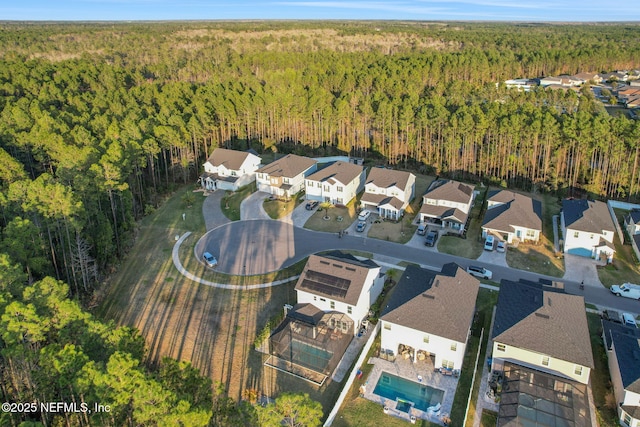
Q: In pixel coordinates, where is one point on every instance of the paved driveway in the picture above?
(213, 216)
(252, 206)
(494, 257)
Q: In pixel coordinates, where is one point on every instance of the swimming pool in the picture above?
(393, 387)
(309, 356)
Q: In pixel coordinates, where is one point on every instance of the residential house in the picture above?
(388, 192)
(615, 76)
(632, 225)
(285, 176)
(524, 85)
(447, 203)
(588, 77)
(623, 352)
(337, 183)
(629, 96)
(563, 81)
(334, 293)
(229, 169)
(587, 228)
(541, 354)
(512, 216)
(429, 315)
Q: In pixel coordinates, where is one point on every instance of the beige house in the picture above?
(513, 217)
(337, 183)
(285, 176)
(229, 169)
(447, 203)
(388, 192)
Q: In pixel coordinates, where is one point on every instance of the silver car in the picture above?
(209, 259)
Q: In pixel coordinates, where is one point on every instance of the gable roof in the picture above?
(381, 200)
(439, 304)
(586, 215)
(231, 159)
(634, 216)
(543, 320)
(338, 172)
(385, 178)
(338, 276)
(288, 166)
(516, 210)
(446, 189)
(625, 340)
(444, 213)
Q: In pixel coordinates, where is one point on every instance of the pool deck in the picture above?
(408, 370)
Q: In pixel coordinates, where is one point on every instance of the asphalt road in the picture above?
(261, 246)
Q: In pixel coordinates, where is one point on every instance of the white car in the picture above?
(501, 246)
(627, 290)
(488, 244)
(364, 215)
(629, 320)
(479, 272)
(210, 259)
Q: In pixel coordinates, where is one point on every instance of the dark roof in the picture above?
(516, 210)
(440, 304)
(544, 320)
(446, 189)
(586, 215)
(341, 172)
(381, 200)
(288, 166)
(231, 159)
(307, 313)
(338, 276)
(625, 340)
(634, 215)
(444, 213)
(385, 178)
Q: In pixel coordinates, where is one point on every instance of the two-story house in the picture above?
(388, 192)
(512, 216)
(429, 315)
(623, 352)
(338, 183)
(541, 353)
(229, 169)
(447, 203)
(285, 176)
(587, 228)
(334, 294)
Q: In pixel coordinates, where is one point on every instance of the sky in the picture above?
(422, 10)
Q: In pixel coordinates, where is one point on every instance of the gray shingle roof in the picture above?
(338, 276)
(339, 171)
(516, 210)
(586, 215)
(634, 215)
(385, 178)
(288, 166)
(543, 320)
(381, 200)
(446, 189)
(439, 304)
(444, 213)
(231, 159)
(625, 340)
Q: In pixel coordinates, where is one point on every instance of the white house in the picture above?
(447, 203)
(229, 169)
(543, 328)
(623, 352)
(512, 216)
(285, 176)
(587, 228)
(388, 192)
(429, 315)
(337, 183)
(340, 283)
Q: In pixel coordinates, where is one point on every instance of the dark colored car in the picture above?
(311, 205)
(432, 237)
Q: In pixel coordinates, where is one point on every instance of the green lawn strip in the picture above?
(489, 418)
(625, 266)
(277, 208)
(230, 204)
(600, 378)
(470, 248)
(318, 221)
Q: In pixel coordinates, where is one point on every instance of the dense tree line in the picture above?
(97, 121)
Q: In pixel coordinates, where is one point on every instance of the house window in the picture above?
(447, 364)
(576, 234)
(327, 188)
(315, 298)
(387, 326)
(340, 201)
(592, 237)
(454, 346)
(425, 339)
(577, 370)
(339, 189)
(501, 347)
(531, 233)
(349, 310)
(285, 180)
(319, 185)
(333, 304)
(322, 299)
(545, 360)
(627, 419)
(233, 173)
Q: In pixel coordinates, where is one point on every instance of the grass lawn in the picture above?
(489, 418)
(277, 209)
(230, 203)
(399, 232)
(537, 258)
(600, 379)
(625, 266)
(472, 246)
(318, 222)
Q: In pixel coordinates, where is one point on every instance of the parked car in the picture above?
(627, 290)
(611, 315)
(432, 237)
(629, 320)
(364, 215)
(422, 228)
(360, 226)
(311, 205)
(488, 244)
(210, 259)
(479, 272)
(501, 246)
